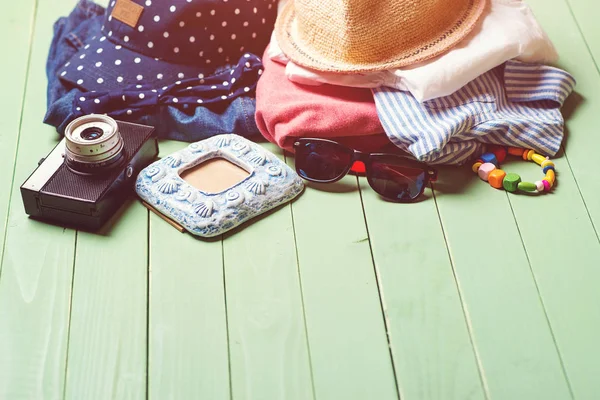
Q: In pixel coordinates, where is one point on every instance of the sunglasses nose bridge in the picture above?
(360, 156)
(358, 162)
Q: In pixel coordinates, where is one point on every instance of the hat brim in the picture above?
(306, 55)
(116, 67)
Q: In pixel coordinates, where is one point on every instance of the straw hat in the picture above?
(370, 35)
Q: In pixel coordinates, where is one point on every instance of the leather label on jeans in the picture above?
(127, 12)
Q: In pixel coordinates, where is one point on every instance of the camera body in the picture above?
(87, 176)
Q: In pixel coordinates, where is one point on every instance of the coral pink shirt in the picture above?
(286, 111)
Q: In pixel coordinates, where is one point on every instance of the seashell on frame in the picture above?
(256, 186)
(223, 140)
(168, 186)
(204, 208)
(257, 158)
(174, 160)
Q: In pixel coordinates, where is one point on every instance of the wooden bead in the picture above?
(492, 148)
(538, 158)
(501, 155)
(540, 186)
(550, 177)
(496, 177)
(489, 158)
(511, 182)
(476, 166)
(547, 167)
(546, 163)
(499, 151)
(527, 154)
(527, 187)
(515, 151)
(485, 170)
(547, 185)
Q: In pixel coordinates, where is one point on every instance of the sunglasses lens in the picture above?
(321, 161)
(396, 182)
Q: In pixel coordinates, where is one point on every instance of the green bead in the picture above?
(527, 187)
(511, 182)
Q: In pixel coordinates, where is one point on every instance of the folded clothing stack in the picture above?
(476, 73)
(439, 79)
(187, 68)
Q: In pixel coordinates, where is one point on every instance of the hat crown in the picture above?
(199, 32)
(372, 31)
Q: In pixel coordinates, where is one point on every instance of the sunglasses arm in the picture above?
(431, 173)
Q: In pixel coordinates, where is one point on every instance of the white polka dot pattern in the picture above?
(202, 89)
(174, 39)
(179, 22)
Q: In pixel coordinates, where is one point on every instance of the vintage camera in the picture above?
(84, 180)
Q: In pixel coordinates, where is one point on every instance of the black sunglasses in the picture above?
(395, 177)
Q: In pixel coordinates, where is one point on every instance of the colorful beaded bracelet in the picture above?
(487, 167)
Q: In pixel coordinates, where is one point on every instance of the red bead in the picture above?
(500, 155)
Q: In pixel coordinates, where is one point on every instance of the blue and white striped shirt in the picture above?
(515, 104)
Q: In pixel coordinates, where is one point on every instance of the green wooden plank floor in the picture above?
(469, 294)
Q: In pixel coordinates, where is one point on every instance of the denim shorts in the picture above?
(178, 123)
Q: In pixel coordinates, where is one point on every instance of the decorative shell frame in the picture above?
(270, 183)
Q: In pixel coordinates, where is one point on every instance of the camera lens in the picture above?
(93, 144)
(92, 133)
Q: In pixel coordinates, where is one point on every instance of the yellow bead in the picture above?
(545, 163)
(550, 177)
(530, 154)
(476, 166)
(538, 158)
